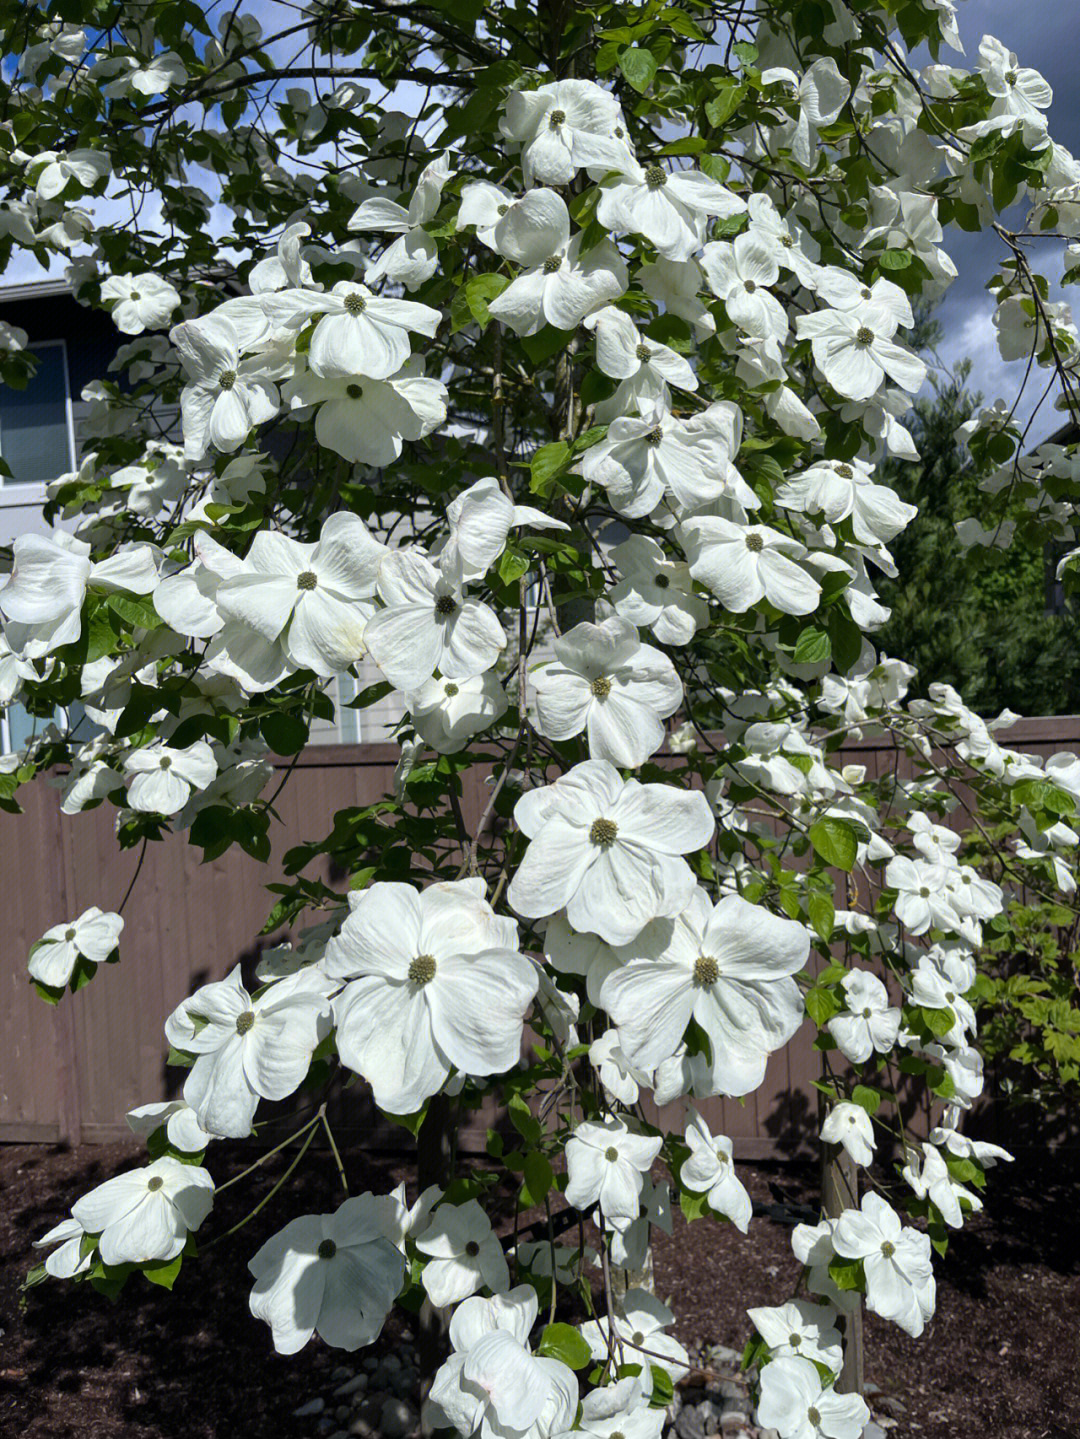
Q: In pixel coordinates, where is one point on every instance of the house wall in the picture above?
(72, 1072)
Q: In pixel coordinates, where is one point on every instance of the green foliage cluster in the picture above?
(976, 620)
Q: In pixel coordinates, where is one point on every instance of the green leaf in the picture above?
(663, 1388)
(694, 1206)
(812, 646)
(548, 462)
(868, 1099)
(822, 913)
(565, 1343)
(284, 733)
(523, 1120)
(512, 565)
(729, 96)
(847, 1273)
(639, 68)
(895, 259)
(164, 1274)
(539, 1176)
(472, 300)
(834, 842)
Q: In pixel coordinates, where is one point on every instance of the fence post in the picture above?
(840, 1191)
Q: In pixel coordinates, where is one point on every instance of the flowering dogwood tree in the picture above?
(542, 355)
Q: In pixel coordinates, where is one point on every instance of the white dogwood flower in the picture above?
(67, 1259)
(795, 1403)
(604, 681)
(436, 982)
(801, 1330)
(637, 1332)
(427, 624)
(491, 1386)
(606, 1163)
(140, 302)
(313, 598)
(671, 208)
(607, 850)
(563, 127)
(93, 936)
(144, 1216)
(227, 393)
(727, 966)
(896, 1261)
(358, 333)
(656, 591)
(464, 1254)
(710, 1170)
(336, 1275)
(446, 714)
(868, 1024)
(855, 351)
(850, 1125)
(740, 274)
(51, 174)
(619, 1408)
(179, 1120)
(821, 92)
(480, 521)
(930, 1179)
(248, 1049)
(42, 599)
(646, 458)
(564, 286)
(644, 367)
(366, 421)
(163, 778)
(743, 564)
(839, 489)
(414, 256)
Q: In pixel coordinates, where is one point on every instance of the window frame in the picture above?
(23, 487)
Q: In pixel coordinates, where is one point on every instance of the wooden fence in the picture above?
(71, 1073)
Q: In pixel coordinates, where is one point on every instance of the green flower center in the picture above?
(422, 969)
(69, 934)
(603, 831)
(553, 265)
(155, 1184)
(503, 210)
(643, 352)
(845, 472)
(637, 1338)
(813, 1415)
(307, 580)
(601, 687)
(868, 1013)
(472, 1249)
(654, 437)
(888, 1249)
(227, 379)
(794, 1340)
(355, 304)
(244, 1021)
(450, 689)
(1011, 77)
(749, 286)
(787, 242)
(611, 1154)
(556, 118)
(445, 605)
(134, 295)
(656, 177)
(706, 970)
(661, 582)
(864, 336)
(755, 544)
(165, 762)
(354, 392)
(327, 1249)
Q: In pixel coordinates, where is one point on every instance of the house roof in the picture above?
(33, 290)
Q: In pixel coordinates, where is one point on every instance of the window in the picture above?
(18, 727)
(36, 438)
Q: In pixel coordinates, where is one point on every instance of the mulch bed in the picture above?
(1000, 1361)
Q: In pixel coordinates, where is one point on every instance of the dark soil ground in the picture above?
(1000, 1361)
